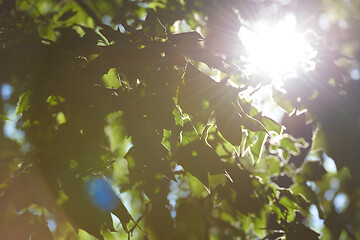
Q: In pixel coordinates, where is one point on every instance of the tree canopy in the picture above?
(142, 119)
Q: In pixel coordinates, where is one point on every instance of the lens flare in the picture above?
(276, 50)
(101, 194)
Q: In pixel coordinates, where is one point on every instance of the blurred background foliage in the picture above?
(135, 119)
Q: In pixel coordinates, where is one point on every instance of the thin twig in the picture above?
(139, 219)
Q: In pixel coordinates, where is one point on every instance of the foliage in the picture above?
(135, 125)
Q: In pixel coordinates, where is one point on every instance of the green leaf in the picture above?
(153, 25)
(271, 125)
(257, 147)
(283, 181)
(199, 159)
(60, 118)
(135, 165)
(189, 214)
(312, 170)
(161, 225)
(78, 206)
(23, 103)
(177, 117)
(302, 202)
(288, 143)
(186, 40)
(123, 214)
(187, 137)
(111, 79)
(298, 231)
(3, 117)
(204, 87)
(196, 90)
(117, 134)
(66, 15)
(319, 140)
(229, 122)
(310, 196)
(252, 124)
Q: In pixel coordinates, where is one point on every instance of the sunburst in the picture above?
(277, 50)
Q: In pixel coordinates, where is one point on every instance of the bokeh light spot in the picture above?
(101, 194)
(341, 202)
(355, 74)
(6, 91)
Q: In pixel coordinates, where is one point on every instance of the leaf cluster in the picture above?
(125, 123)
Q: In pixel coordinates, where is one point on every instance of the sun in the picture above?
(276, 49)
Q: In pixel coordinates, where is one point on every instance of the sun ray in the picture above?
(277, 50)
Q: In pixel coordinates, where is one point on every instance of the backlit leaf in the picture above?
(23, 103)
